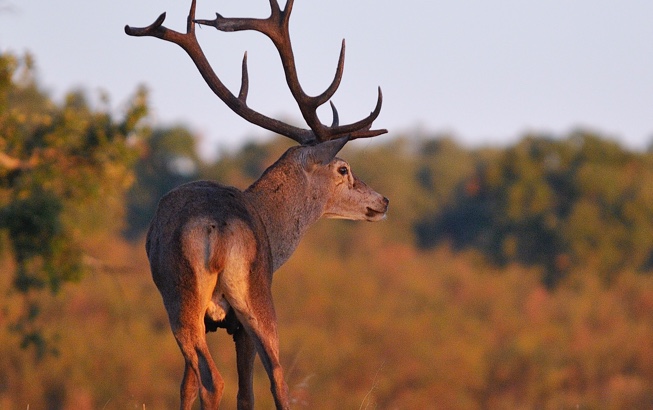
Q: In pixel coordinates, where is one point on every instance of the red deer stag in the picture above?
(213, 249)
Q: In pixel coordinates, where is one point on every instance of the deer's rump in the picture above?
(192, 228)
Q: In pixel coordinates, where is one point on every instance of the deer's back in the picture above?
(188, 202)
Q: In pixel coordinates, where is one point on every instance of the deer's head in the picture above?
(348, 197)
(344, 195)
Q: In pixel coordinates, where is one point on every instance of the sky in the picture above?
(485, 71)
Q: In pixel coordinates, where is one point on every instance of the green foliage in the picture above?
(169, 159)
(36, 231)
(558, 204)
(63, 171)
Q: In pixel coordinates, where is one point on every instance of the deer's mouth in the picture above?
(378, 212)
(374, 215)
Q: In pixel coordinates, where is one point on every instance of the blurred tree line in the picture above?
(513, 276)
(554, 203)
(63, 170)
(561, 204)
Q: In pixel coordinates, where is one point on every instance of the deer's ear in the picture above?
(325, 152)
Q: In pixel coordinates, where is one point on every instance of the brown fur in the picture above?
(213, 249)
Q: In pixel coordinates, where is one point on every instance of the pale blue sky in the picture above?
(485, 70)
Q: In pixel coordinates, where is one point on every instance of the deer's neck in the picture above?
(287, 206)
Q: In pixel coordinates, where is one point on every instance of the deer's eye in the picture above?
(343, 171)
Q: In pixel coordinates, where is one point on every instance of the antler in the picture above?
(274, 27)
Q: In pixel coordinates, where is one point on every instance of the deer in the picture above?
(213, 249)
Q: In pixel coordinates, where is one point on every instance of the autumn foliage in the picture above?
(515, 277)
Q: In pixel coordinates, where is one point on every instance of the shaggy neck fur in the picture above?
(288, 203)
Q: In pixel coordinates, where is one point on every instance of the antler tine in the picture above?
(367, 134)
(360, 129)
(286, 10)
(364, 131)
(155, 29)
(336, 117)
(328, 93)
(244, 81)
(274, 6)
(190, 21)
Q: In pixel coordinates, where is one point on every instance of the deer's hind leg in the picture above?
(186, 306)
(246, 283)
(262, 328)
(258, 319)
(245, 355)
(200, 373)
(187, 294)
